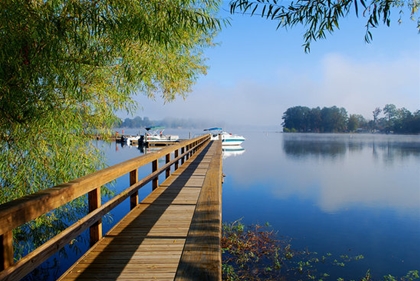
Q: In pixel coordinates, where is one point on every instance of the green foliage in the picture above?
(68, 66)
(336, 120)
(322, 17)
(355, 121)
(255, 253)
(251, 254)
(410, 276)
(325, 120)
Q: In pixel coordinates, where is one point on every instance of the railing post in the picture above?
(134, 198)
(176, 154)
(183, 157)
(6, 248)
(168, 170)
(94, 199)
(155, 181)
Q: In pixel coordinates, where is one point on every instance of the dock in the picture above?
(141, 141)
(173, 234)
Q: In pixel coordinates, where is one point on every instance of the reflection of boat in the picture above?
(155, 134)
(151, 149)
(227, 138)
(233, 150)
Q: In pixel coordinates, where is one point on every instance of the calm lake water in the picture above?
(340, 194)
(337, 194)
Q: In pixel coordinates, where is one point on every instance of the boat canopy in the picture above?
(213, 129)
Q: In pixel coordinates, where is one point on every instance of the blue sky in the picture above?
(257, 72)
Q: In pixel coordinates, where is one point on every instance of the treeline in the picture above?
(389, 119)
(138, 122)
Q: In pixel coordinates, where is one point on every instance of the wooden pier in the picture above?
(173, 234)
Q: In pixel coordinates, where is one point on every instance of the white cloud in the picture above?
(360, 86)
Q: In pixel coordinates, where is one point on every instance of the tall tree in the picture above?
(390, 111)
(322, 17)
(296, 119)
(376, 113)
(316, 119)
(67, 66)
(353, 122)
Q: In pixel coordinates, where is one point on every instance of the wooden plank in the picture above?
(148, 243)
(201, 259)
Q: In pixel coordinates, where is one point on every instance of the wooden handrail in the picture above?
(15, 213)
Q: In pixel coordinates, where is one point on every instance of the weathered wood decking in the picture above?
(174, 234)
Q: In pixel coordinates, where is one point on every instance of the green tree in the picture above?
(414, 123)
(322, 17)
(68, 66)
(296, 119)
(390, 112)
(402, 121)
(376, 113)
(353, 123)
(315, 119)
(334, 119)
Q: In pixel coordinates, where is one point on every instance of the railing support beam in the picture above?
(176, 154)
(167, 160)
(134, 198)
(94, 199)
(6, 250)
(155, 182)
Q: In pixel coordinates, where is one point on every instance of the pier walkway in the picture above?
(173, 234)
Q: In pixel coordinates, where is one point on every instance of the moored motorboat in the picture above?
(155, 134)
(129, 140)
(227, 138)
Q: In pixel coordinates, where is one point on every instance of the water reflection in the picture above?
(376, 171)
(233, 150)
(297, 146)
(341, 193)
(330, 145)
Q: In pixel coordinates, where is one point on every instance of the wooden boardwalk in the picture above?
(174, 234)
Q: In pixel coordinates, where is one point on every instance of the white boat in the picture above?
(227, 138)
(129, 140)
(155, 134)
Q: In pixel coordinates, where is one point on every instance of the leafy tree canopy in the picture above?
(68, 65)
(322, 17)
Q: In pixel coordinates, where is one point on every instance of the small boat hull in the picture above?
(234, 141)
(227, 138)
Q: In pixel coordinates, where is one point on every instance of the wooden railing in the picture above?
(15, 213)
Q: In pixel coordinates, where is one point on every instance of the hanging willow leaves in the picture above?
(68, 65)
(319, 17)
